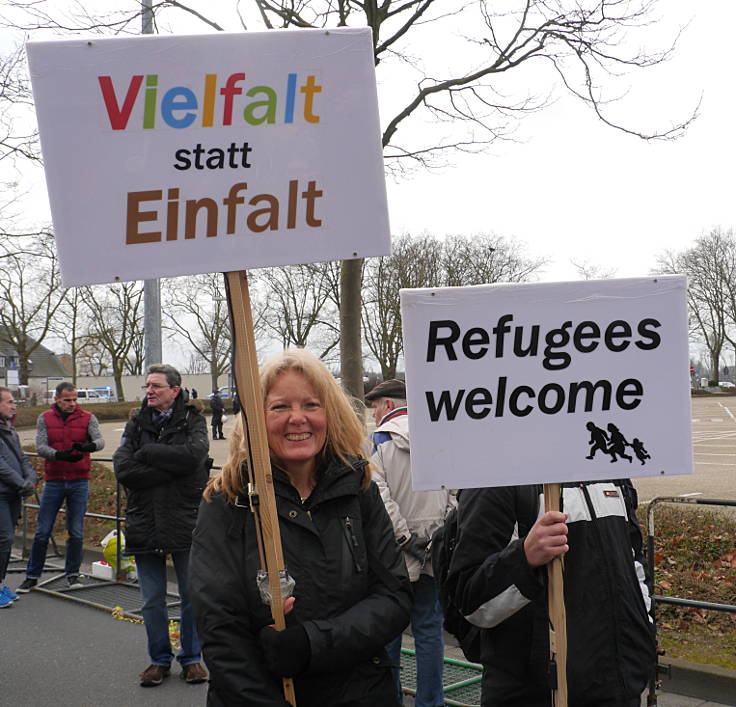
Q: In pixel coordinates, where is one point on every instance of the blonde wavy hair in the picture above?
(346, 432)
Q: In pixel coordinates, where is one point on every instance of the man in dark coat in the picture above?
(162, 463)
(498, 571)
(218, 409)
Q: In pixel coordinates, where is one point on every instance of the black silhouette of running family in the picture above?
(614, 444)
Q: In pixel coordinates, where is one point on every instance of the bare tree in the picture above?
(485, 258)
(585, 45)
(116, 324)
(70, 323)
(431, 262)
(710, 266)
(590, 271)
(30, 294)
(414, 262)
(16, 138)
(195, 365)
(196, 309)
(298, 305)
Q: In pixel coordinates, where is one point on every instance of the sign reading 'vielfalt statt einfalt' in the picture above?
(173, 155)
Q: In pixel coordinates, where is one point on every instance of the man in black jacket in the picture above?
(498, 570)
(218, 409)
(162, 462)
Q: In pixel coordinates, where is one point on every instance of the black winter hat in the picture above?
(393, 388)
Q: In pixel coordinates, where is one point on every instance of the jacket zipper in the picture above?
(607, 572)
(352, 543)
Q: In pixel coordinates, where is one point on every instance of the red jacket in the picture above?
(62, 433)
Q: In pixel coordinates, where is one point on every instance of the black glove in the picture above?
(287, 652)
(27, 489)
(85, 446)
(68, 455)
(416, 546)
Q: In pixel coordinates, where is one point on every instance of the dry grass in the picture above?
(695, 556)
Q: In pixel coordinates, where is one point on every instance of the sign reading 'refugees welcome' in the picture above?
(173, 155)
(521, 384)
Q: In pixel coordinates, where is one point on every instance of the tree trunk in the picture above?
(117, 374)
(351, 353)
(23, 369)
(715, 364)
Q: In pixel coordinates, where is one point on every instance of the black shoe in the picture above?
(154, 675)
(223, 437)
(26, 586)
(73, 581)
(193, 673)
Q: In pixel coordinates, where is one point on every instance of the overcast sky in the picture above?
(573, 189)
(578, 190)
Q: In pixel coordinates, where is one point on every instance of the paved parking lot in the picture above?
(714, 454)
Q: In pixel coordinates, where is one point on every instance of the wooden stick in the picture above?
(556, 608)
(245, 364)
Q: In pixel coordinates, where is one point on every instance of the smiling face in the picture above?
(296, 422)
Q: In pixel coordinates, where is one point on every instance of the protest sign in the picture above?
(550, 382)
(174, 155)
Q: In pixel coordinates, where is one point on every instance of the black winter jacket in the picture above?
(15, 469)
(164, 470)
(610, 632)
(332, 545)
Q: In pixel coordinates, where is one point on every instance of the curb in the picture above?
(706, 682)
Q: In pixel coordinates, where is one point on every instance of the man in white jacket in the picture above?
(415, 517)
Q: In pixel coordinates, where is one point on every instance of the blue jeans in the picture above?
(54, 494)
(151, 570)
(426, 625)
(10, 504)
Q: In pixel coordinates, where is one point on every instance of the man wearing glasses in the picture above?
(162, 462)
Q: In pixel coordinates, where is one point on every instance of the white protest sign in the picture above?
(173, 155)
(545, 383)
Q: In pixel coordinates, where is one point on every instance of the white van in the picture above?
(87, 396)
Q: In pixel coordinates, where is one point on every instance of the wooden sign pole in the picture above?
(556, 609)
(245, 365)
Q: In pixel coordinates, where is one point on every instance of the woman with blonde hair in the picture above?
(352, 593)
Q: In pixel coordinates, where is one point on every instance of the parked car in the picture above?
(85, 396)
(726, 384)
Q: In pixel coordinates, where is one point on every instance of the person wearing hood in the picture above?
(415, 516)
(162, 463)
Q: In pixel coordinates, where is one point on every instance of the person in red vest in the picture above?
(65, 436)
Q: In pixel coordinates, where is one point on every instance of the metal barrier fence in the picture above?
(117, 518)
(461, 680)
(676, 601)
